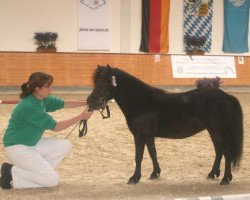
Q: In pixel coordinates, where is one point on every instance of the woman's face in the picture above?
(42, 92)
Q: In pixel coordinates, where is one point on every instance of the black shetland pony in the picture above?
(151, 112)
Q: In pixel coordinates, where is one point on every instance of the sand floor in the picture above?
(100, 164)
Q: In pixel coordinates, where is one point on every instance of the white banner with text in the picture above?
(203, 66)
(93, 25)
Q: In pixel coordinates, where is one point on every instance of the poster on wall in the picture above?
(93, 25)
(203, 66)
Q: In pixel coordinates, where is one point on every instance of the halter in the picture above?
(83, 127)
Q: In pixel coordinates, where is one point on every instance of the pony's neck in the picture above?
(130, 92)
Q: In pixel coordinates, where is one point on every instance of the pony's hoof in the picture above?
(154, 176)
(226, 179)
(133, 180)
(224, 182)
(210, 176)
(213, 175)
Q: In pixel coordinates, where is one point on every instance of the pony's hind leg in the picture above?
(215, 135)
(227, 175)
(215, 172)
(221, 148)
(150, 142)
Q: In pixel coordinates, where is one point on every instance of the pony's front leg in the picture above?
(139, 150)
(150, 142)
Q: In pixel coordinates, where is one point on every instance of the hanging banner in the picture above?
(198, 21)
(203, 66)
(155, 25)
(93, 25)
(236, 20)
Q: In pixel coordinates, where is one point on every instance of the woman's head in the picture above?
(37, 81)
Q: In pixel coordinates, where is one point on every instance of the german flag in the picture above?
(154, 31)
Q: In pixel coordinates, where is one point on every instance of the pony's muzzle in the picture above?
(96, 103)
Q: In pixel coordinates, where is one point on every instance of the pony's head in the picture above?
(103, 81)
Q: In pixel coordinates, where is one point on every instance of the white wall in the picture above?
(19, 19)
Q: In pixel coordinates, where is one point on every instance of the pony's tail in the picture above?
(236, 135)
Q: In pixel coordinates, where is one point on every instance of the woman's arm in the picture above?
(69, 122)
(74, 103)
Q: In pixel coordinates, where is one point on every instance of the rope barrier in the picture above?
(9, 101)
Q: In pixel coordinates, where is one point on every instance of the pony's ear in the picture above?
(98, 66)
(108, 66)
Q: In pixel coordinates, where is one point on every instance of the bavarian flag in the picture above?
(154, 29)
(198, 21)
(236, 19)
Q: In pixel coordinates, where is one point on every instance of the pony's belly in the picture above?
(180, 131)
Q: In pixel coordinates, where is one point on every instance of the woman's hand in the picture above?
(69, 122)
(86, 114)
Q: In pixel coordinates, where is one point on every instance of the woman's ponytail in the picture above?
(26, 90)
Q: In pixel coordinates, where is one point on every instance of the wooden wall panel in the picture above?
(75, 69)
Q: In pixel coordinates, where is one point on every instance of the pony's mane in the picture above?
(127, 78)
(124, 80)
(123, 76)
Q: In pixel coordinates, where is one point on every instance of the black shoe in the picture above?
(6, 176)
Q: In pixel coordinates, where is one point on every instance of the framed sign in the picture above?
(203, 66)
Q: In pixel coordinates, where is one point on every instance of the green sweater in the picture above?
(30, 119)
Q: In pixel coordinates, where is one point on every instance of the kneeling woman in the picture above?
(34, 157)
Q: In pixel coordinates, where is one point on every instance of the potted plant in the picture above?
(194, 44)
(45, 41)
(209, 82)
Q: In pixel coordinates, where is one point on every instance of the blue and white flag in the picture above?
(93, 25)
(236, 19)
(198, 20)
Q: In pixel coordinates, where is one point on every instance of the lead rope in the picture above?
(84, 129)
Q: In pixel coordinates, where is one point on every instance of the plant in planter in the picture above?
(45, 41)
(194, 44)
(209, 82)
